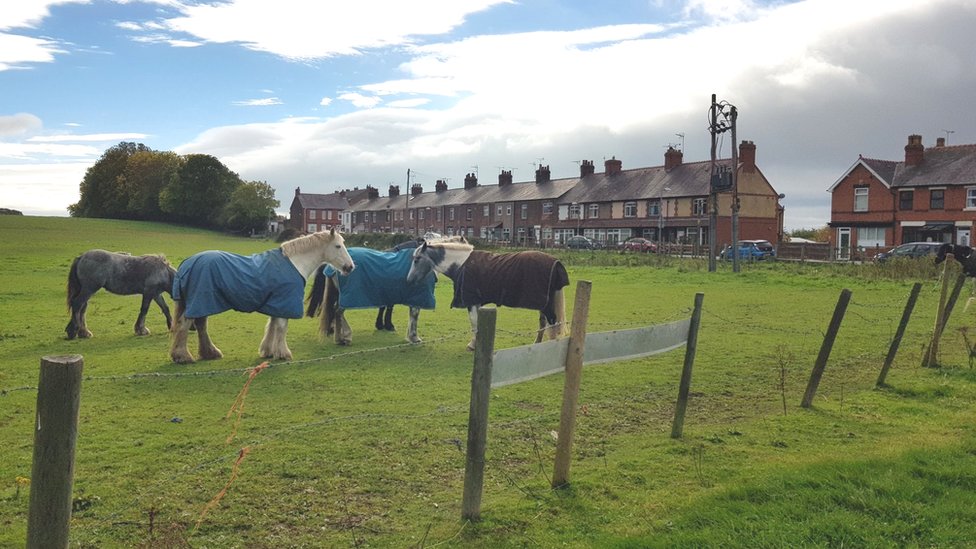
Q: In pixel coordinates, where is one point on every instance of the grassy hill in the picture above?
(364, 445)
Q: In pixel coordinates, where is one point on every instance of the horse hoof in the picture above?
(470, 346)
(211, 354)
(414, 340)
(344, 342)
(389, 328)
(142, 332)
(182, 359)
(84, 334)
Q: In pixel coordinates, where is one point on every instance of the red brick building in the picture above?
(928, 196)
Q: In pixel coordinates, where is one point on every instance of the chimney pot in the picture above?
(505, 178)
(747, 156)
(672, 159)
(612, 166)
(940, 142)
(587, 168)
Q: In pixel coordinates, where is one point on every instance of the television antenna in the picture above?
(947, 132)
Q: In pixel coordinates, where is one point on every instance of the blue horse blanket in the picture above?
(380, 280)
(214, 281)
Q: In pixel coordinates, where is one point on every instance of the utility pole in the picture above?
(733, 115)
(713, 192)
(406, 201)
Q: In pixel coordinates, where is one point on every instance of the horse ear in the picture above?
(332, 231)
(464, 240)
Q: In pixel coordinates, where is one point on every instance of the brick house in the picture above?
(610, 206)
(930, 196)
(314, 212)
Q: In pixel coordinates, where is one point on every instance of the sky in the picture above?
(327, 95)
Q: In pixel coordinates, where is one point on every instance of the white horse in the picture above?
(272, 283)
(526, 280)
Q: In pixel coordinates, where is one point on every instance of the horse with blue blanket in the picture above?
(378, 281)
(272, 283)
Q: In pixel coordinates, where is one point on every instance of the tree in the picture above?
(251, 206)
(146, 174)
(102, 191)
(200, 191)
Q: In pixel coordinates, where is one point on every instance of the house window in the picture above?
(508, 209)
(451, 214)
(546, 208)
(312, 214)
(594, 211)
(653, 208)
(468, 218)
(630, 209)
(312, 227)
(499, 211)
(860, 199)
(438, 215)
(524, 214)
(971, 197)
(421, 214)
(698, 206)
(870, 237)
(486, 210)
(937, 199)
(574, 211)
(906, 200)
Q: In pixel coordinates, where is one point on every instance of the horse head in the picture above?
(944, 249)
(422, 263)
(336, 253)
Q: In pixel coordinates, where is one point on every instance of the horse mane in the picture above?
(462, 246)
(307, 242)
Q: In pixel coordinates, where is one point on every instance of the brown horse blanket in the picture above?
(522, 279)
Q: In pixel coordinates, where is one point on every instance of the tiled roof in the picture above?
(334, 201)
(884, 168)
(951, 165)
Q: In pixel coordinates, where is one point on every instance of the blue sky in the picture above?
(326, 95)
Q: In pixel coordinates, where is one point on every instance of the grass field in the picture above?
(364, 445)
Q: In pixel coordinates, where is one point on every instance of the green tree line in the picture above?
(132, 181)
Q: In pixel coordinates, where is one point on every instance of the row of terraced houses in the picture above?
(666, 203)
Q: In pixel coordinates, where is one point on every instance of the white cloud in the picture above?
(18, 124)
(360, 100)
(408, 103)
(267, 101)
(325, 102)
(39, 189)
(324, 29)
(91, 137)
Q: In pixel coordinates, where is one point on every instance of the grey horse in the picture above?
(122, 274)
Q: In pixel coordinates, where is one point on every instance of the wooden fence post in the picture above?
(826, 347)
(52, 472)
(946, 304)
(893, 349)
(571, 385)
(683, 389)
(474, 465)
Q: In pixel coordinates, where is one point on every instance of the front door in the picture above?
(844, 243)
(962, 237)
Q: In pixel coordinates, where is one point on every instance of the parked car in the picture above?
(638, 244)
(752, 250)
(910, 249)
(580, 242)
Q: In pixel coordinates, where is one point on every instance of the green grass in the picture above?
(363, 445)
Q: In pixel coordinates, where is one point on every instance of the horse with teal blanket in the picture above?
(272, 283)
(378, 281)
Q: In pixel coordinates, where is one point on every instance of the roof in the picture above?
(691, 179)
(334, 201)
(947, 165)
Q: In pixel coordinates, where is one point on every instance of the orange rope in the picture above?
(239, 402)
(233, 476)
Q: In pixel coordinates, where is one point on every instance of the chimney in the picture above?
(440, 186)
(470, 181)
(416, 189)
(372, 192)
(747, 156)
(505, 178)
(298, 191)
(394, 191)
(914, 151)
(672, 158)
(940, 142)
(612, 166)
(587, 168)
(542, 174)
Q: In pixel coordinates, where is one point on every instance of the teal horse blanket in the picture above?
(380, 280)
(212, 282)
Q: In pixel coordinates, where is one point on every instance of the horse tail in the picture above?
(74, 282)
(327, 325)
(314, 299)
